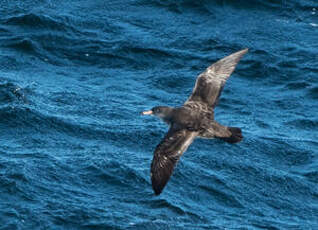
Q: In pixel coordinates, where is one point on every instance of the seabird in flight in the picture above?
(195, 118)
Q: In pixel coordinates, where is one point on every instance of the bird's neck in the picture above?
(168, 117)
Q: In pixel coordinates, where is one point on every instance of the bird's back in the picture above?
(192, 118)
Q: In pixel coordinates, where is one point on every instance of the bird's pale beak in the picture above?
(147, 112)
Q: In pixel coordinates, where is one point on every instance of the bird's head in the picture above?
(163, 112)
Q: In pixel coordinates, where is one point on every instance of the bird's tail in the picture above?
(235, 137)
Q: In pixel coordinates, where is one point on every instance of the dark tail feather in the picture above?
(235, 137)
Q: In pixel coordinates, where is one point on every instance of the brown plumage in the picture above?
(194, 119)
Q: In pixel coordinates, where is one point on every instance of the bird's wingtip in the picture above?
(237, 54)
(157, 190)
(243, 51)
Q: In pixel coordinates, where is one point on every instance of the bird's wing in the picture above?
(210, 83)
(167, 154)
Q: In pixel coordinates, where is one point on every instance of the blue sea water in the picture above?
(75, 153)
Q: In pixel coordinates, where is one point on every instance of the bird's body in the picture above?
(193, 119)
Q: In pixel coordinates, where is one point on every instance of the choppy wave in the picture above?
(75, 154)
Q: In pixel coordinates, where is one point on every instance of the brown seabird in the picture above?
(195, 118)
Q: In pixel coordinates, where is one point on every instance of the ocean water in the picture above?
(76, 154)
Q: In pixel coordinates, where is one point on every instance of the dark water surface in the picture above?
(75, 153)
